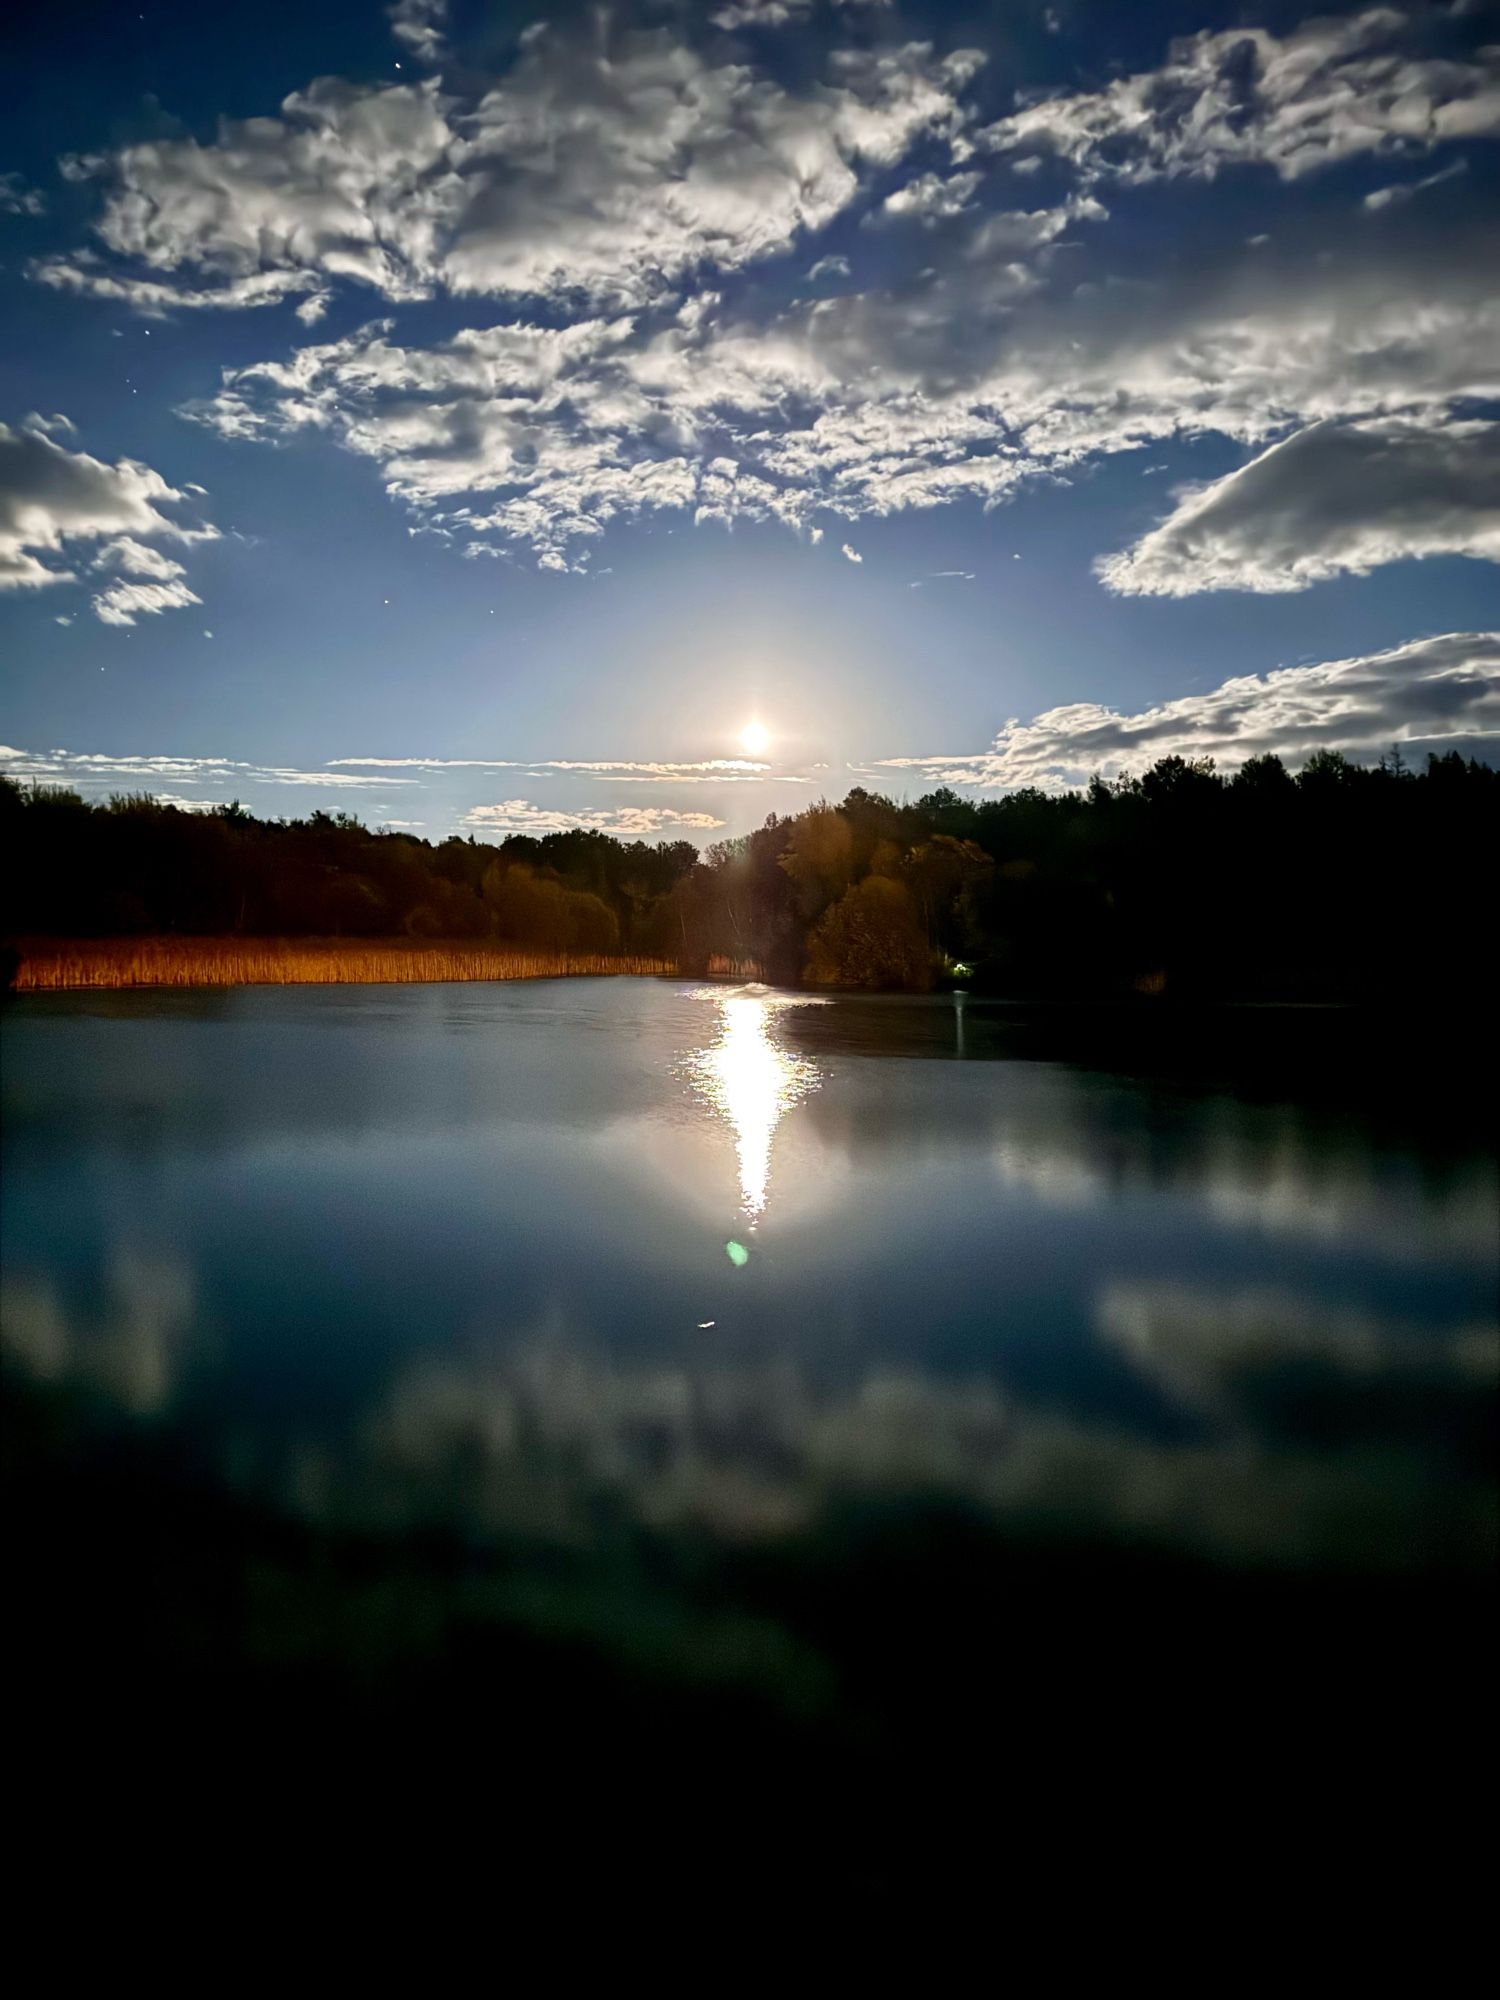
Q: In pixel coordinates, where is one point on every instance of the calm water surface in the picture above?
(529, 1257)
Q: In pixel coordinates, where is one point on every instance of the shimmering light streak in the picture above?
(752, 1082)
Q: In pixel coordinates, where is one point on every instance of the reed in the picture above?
(53, 965)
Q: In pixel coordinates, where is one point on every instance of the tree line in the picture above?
(1342, 881)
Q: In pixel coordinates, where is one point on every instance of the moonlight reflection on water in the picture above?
(1247, 1323)
(752, 1081)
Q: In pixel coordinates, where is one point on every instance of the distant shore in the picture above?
(52, 965)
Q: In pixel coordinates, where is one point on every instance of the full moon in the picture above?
(754, 737)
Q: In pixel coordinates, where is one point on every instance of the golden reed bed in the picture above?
(53, 965)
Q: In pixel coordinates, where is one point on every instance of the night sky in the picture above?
(473, 417)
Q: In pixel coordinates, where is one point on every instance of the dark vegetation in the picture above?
(1341, 882)
(136, 867)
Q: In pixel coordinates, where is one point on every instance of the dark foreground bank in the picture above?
(899, 1694)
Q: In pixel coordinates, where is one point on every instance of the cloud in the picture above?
(957, 386)
(853, 555)
(931, 198)
(136, 559)
(154, 299)
(51, 497)
(626, 822)
(418, 26)
(122, 603)
(1429, 693)
(495, 1431)
(706, 770)
(131, 1341)
(348, 182)
(609, 174)
(1242, 1172)
(1387, 197)
(760, 13)
(1334, 498)
(1242, 347)
(605, 166)
(1205, 1346)
(200, 784)
(604, 174)
(18, 199)
(89, 770)
(775, 13)
(1328, 91)
(428, 763)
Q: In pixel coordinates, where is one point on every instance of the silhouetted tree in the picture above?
(871, 937)
(1175, 881)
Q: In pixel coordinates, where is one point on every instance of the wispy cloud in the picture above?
(428, 763)
(95, 769)
(1431, 693)
(1328, 91)
(154, 298)
(1403, 191)
(418, 26)
(930, 198)
(122, 603)
(16, 198)
(184, 804)
(625, 822)
(706, 770)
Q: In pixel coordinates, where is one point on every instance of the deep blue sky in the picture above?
(1272, 241)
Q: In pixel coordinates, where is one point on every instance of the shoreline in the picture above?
(163, 963)
(63, 965)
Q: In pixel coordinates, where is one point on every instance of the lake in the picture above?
(817, 1353)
